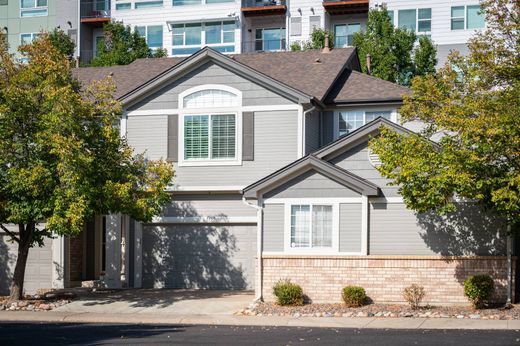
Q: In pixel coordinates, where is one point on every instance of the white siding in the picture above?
(148, 133)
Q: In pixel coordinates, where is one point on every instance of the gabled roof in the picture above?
(310, 74)
(304, 165)
(357, 137)
(358, 88)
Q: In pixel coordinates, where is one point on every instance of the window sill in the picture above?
(208, 163)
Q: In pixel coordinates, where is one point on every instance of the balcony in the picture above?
(95, 13)
(257, 8)
(258, 46)
(345, 6)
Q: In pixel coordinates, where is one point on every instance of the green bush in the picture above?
(288, 293)
(479, 289)
(354, 296)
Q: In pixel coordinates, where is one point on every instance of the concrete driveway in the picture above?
(160, 301)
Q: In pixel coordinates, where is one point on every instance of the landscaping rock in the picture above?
(474, 316)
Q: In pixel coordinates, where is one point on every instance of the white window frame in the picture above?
(334, 249)
(202, 2)
(35, 8)
(203, 37)
(394, 116)
(34, 35)
(347, 29)
(465, 17)
(146, 35)
(283, 39)
(236, 110)
(422, 33)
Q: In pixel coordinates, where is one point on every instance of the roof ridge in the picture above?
(380, 79)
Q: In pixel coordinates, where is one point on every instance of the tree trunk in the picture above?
(26, 237)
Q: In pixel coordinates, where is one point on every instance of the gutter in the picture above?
(259, 248)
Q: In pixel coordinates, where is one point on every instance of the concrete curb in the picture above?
(279, 321)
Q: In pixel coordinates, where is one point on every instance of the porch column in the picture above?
(113, 251)
(59, 255)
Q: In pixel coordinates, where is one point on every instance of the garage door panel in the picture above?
(199, 256)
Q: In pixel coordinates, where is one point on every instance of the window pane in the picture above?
(475, 17)
(349, 121)
(210, 98)
(369, 116)
(225, 49)
(141, 30)
(229, 32)
(457, 24)
(223, 136)
(457, 12)
(186, 2)
(196, 133)
(123, 6)
(425, 13)
(155, 36)
(193, 34)
(28, 3)
(217, 1)
(25, 38)
(33, 13)
(407, 19)
(300, 226)
(352, 29)
(425, 26)
(148, 4)
(213, 32)
(391, 15)
(340, 36)
(321, 226)
(184, 51)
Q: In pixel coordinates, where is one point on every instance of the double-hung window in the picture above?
(467, 17)
(153, 34)
(311, 226)
(148, 4)
(123, 5)
(33, 8)
(28, 38)
(210, 126)
(348, 121)
(344, 34)
(190, 37)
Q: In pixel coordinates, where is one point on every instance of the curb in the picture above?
(274, 321)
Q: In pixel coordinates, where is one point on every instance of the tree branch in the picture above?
(9, 233)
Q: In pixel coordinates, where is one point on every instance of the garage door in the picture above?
(199, 256)
(38, 273)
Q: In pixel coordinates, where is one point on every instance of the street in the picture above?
(106, 334)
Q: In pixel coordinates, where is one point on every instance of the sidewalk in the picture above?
(318, 322)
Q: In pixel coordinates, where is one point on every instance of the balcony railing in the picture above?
(95, 10)
(264, 46)
(262, 3)
(345, 6)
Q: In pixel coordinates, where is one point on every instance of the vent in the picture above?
(374, 158)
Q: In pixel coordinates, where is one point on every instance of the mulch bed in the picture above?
(381, 310)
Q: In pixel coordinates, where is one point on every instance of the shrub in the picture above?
(354, 296)
(479, 289)
(414, 294)
(296, 46)
(288, 293)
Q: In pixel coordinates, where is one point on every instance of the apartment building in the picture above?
(22, 20)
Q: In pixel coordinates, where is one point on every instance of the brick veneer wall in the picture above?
(383, 278)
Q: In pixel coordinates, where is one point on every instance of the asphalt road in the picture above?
(107, 334)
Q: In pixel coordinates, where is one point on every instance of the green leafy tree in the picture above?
(317, 39)
(62, 42)
(62, 160)
(120, 46)
(393, 52)
(473, 105)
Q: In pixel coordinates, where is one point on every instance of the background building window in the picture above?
(148, 4)
(270, 39)
(33, 8)
(296, 26)
(153, 35)
(457, 18)
(424, 20)
(344, 34)
(189, 38)
(475, 17)
(407, 19)
(314, 23)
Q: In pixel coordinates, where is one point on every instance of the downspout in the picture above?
(509, 267)
(313, 108)
(259, 248)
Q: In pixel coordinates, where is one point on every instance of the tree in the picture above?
(62, 159)
(394, 54)
(473, 105)
(62, 42)
(316, 41)
(120, 46)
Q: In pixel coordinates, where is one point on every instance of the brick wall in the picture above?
(383, 278)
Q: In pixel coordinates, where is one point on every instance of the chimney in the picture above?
(369, 64)
(326, 48)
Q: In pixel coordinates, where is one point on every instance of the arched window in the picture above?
(211, 98)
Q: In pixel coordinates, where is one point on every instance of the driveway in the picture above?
(160, 301)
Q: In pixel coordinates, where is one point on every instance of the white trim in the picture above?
(203, 87)
(364, 225)
(310, 255)
(203, 188)
(205, 219)
(300, 132)
(124, 124)
(334, 249)
(170, 111)
(338, 200)
(393, 115)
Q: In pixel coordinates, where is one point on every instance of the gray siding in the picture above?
(311, 185)
(221, 206)
(199, 256)
(395, 230)
(210, 73)
(273, 224)
(275, 146)
(38, 273)
(327, 127)
(356, 161)
(350, 227)
(149, 133)
(312, 132)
